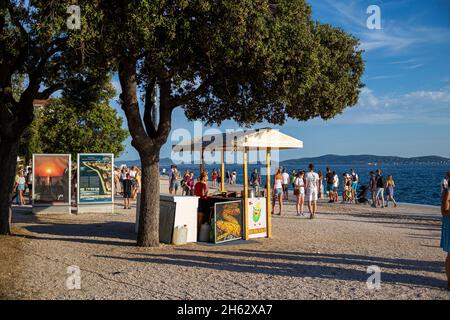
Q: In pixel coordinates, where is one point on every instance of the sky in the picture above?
(404, 108)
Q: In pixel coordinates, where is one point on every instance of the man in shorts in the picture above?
(329, 181)
(127, 185)
(312, 190)
(286, 179)
(174, 180)
(380, 187)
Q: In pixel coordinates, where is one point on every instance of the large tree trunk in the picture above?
(148, 235)
(8, 162)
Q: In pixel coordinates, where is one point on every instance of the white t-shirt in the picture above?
(20, 180)
(299, 183)
(336, 181)
(285, 178)
(312, 178)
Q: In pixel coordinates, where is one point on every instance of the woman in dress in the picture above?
(299, 191)
(445, 235)
(390, 185)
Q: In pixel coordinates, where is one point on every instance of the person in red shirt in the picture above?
(201, 187)
(201, 190)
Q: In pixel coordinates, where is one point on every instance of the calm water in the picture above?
(418, 184)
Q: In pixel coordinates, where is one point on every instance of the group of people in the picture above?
(307, 187)
(127, 182)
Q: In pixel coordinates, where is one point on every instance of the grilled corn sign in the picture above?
(257, 218)
(228, 221)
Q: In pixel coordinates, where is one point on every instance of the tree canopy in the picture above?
(249, 61)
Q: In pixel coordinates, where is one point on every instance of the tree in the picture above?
(244, 60)
(66, 125)
(35, 43)
(62, 128)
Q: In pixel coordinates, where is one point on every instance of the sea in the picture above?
(415, 183)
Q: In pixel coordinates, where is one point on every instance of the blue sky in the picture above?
(404, 109)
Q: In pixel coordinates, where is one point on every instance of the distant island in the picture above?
(367, 159)
(332, 159)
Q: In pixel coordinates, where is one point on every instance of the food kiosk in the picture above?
(233, 215)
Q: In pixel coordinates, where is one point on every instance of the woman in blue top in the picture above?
(445, 236)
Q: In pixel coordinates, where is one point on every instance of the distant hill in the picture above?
(137, 163)
(368, 159)
(331, 159)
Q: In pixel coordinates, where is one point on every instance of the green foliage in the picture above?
(249, 60)
(63, 128)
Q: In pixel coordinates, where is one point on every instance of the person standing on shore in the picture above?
(277, 191)
(174, 180)
(373, 188)
(286, 181)
(299, 191)
(214, 178)
(320, 195)
(444, 183)
(335, 186)
(390, 185)
(234, 177)
(228, 176)
(380, 187)
(127, 187)
(329, 182)
(355, 179)
(445, 232)
(255, 181)
(293, 177)
(312, 189)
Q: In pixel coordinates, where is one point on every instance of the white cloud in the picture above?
(425, 107)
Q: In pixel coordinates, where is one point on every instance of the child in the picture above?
(127, 184)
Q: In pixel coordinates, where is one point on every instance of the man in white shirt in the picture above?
(335, 186)
(312, 189)
(286, 180)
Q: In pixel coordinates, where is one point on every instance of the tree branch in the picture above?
(181, 100)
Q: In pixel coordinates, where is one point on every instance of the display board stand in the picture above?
(95, 208)
(52, 209)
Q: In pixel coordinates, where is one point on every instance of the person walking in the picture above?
(380, 187)
(329, 182)
(390, 185)
(20, 187)
(445, 232)
(312, 189)
(299, 192)
(278, 191)
(228, 176)
(286, 181)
